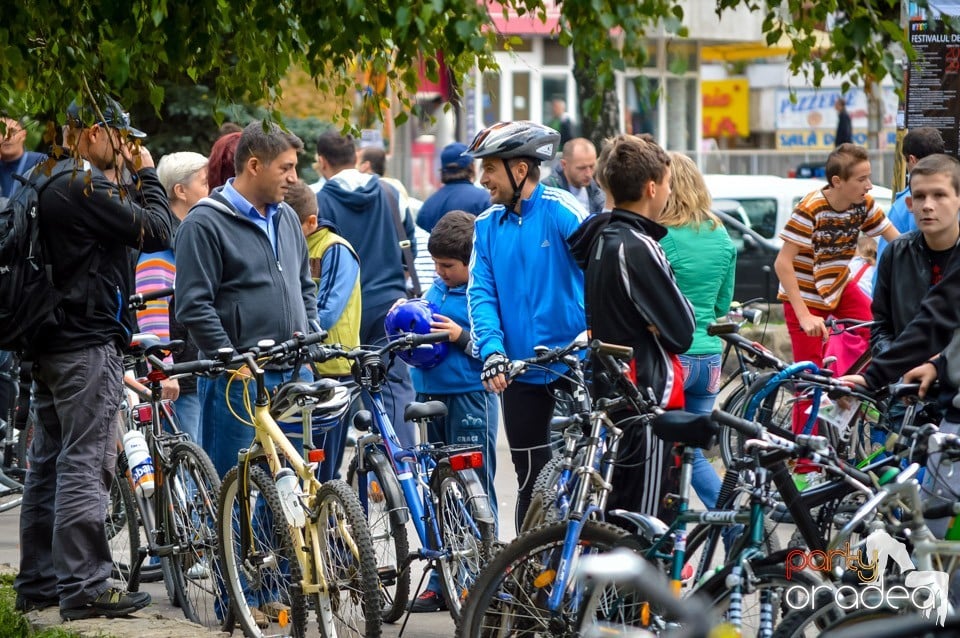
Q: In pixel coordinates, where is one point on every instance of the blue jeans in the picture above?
(187, 407)
(701, 382)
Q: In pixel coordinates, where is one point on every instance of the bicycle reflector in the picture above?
(316, 456)
(142, 413)
(466, 461)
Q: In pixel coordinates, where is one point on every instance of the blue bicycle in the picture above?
(433, 485)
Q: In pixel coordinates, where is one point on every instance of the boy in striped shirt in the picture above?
(819, 241)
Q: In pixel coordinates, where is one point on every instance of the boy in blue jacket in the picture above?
(471, 410)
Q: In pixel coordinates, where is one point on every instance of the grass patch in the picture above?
(12, 622)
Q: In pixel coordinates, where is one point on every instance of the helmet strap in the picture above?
(517, 188)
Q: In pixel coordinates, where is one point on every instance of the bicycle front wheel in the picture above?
(194, 487)
(510, 595)
(123, 528)
(259, 576)
(467, 530)
(349, 565)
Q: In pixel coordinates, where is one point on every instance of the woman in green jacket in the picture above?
(703, 259)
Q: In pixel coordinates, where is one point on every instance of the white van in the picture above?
(768, 200)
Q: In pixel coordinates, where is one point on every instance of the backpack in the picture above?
(29, 301)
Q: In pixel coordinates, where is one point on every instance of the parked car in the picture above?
(768, 200)
(755, 276)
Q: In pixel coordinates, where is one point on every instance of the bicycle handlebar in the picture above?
(836, 326)
(227, 358)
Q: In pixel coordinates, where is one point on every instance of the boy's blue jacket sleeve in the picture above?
(339, 270)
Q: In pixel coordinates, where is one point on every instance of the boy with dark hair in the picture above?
(632, 299)
(917, 144)
(335, 268)
(471, 411)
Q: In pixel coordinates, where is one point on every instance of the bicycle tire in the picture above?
(349, 562)
(122, 525)
(267, 573)
(195, 488)
(502, 585)
(543, 504)
(390, 540)
(469, 540)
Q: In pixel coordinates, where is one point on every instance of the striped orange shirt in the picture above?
(827, 241)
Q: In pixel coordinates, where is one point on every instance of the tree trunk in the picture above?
(597, 121)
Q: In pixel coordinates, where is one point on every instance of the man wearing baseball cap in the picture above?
(88, 229)
(458, 191)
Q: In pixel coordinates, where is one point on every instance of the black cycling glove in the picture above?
(495, 364)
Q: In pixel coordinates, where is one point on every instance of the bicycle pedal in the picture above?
(387, 575)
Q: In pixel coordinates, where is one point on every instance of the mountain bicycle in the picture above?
(179, 517)
(527, 587)
(307, 548)
(436, 486)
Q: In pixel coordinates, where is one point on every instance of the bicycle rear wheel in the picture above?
(194, 488)
(258, 578)
(389, 535)
(467, 531)
(349, 563)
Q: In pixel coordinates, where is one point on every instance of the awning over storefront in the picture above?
(744, 51)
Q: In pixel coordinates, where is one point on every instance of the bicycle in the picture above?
(308, 549)
(16, 432)
(179, 517)
(527, 587)
(434, 485)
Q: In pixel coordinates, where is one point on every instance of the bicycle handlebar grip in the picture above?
(620, 352)
(430, 337)
(747, 428)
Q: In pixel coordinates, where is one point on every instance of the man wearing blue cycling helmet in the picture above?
(525, 288)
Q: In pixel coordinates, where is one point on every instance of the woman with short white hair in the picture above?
(184, 177)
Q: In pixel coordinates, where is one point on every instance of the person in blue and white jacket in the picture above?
(525, 288)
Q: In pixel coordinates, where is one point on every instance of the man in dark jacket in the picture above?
(360, 206)
(576, 171)
(844, 134)
(915, 262)
(243, 276)
(78, 368)
(632, 299)
(458, 191)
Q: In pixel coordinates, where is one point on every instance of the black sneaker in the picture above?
(112, 603)
(428, 601)
(25, 605)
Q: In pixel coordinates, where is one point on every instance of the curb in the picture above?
(143, 624)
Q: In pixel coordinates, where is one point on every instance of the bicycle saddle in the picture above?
(144, 344)
(416, 411)
(677, 426)
(290, 395)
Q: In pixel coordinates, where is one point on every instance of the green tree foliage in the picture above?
(55, 51)
(609, 35)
